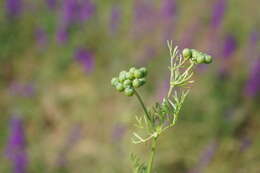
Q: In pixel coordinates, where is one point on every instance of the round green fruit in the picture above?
(208, 59)
(138, 74)
(144, 71)
(129, 91)
(143, 81)
(132, 70)
(120, 87)
(114, 81)
(122, 76)
(137, 83)
(200, 59)
(127, 83)
(194, 53)
(187, 53)
(130, 75)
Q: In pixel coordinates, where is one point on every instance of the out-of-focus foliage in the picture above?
(59, 113)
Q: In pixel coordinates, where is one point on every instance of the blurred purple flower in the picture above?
(144, 16)
(51, 3)
(41, 36)
(252, 49)
(70, 10)
(85, 58)
(219, 9)
(142, 10)
(162, 90)
(169, 8)
(87, 9)
(253, 84)
(188, 36)
(206, 157)
(16, 146)
(115, 18)
(73, 12)
(245, 144)
(254, 37)
(62, 34)
(72, 139)
(13, 8)
(229, 46)
(118, 132)
(169, 14)
(21, 89)
(68, 16)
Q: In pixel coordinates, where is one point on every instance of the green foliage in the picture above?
(138, 166)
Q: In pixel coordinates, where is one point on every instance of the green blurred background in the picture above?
(59, 113)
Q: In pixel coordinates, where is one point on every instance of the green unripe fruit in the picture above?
(122, 76)
(137, 83)
(200, 59)
(143, 81)
(138, 74)
(143, 70)
(132, 70)
(187, 53)
(114, 81)
(127, 83)
(120, 87)
(130, 75)
(208, 59)
(129, 91)
(194, 53)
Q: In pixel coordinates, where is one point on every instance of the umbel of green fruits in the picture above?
(196, 56)
(127, 81)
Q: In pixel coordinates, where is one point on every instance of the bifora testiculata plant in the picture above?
(161, 116)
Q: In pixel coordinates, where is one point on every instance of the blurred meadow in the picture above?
(59, 113)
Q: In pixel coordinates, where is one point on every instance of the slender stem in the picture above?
(150, 163)
(142, 104)
(171, 77)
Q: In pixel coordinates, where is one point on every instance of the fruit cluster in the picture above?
(196, 56)
(127, 81)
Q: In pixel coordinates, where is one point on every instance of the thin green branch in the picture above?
(142, 104)
(151, 160)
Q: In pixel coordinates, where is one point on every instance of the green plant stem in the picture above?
(142, 104)
(150, 163)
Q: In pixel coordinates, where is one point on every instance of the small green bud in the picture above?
(119, 87)
(137, 83)
(194, 53)
(129, 91)
(138, 74)
(114, 81)
(187, 53)
(143, 81)
(130, 75)
(208, 59)
(127, 83)
(200, 59)
(122, 76)
(132, 70)
(143, 70)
